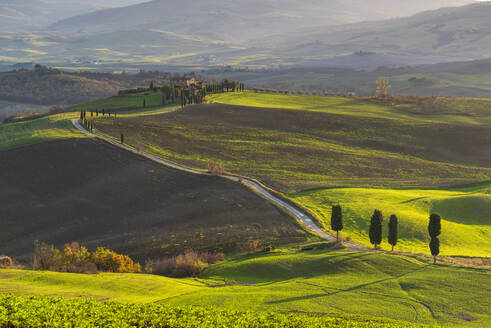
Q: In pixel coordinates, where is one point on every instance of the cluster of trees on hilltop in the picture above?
(185, 94)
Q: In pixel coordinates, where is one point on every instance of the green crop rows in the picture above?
(56, 312)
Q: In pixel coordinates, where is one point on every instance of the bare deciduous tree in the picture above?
(140, 147)
(383, 87)
(216, 168)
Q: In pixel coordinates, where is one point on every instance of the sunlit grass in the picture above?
(331, 282)
(44, 129)
(465, 227)
(342, 105)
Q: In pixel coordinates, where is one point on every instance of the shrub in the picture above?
(255, 246)
(77, 259)
(189, 264)
(109, 261)
(75, 253)
(212, 258)
(6, 262)
(86, 267)
(140, 147)
(216, 168)
(47, 257)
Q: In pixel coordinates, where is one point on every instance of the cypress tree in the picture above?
(122, 138)
(434, 227)
(144, 103)
(393, 231)
(435, 248)
(81, 115)
(337, 220)
(375, 232)
(434, 230)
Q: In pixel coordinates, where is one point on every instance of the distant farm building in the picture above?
(185, 82)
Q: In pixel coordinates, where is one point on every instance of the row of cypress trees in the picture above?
(376, 228)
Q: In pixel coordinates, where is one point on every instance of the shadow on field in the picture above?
(347, 290)
(268, 271)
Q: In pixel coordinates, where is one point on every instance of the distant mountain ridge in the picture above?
(236, 20)
(35, 14)
(260, 33)
(443, 35)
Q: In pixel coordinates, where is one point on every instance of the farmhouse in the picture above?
(185, 82)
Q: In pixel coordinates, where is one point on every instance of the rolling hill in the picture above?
(448, 34)
(465, 212)
(238, 20)
(460, 79)
(88, 191)
(262, 33)
(35, 14)
(294, 142)
(337, 287)
(52, 87)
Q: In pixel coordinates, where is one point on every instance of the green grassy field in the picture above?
(477, 111)
(318, 282)
(48, 128)
(130, 101)
(101, 287)
(59, 126)
(465, 211)
(336, 141)
(331, 141)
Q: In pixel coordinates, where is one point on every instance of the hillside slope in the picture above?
(262, 33)
(466, 225)
(48, 89)
(321, 284)
(296, 142)
(88, 191)
(461, 33)
(34, 14)
(238, 20)
(48, 86)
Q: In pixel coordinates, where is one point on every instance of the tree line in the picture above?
(89, 123)
(376, 229)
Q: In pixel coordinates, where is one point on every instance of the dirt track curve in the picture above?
(302, 217)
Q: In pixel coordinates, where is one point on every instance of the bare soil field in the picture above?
(88, 191)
